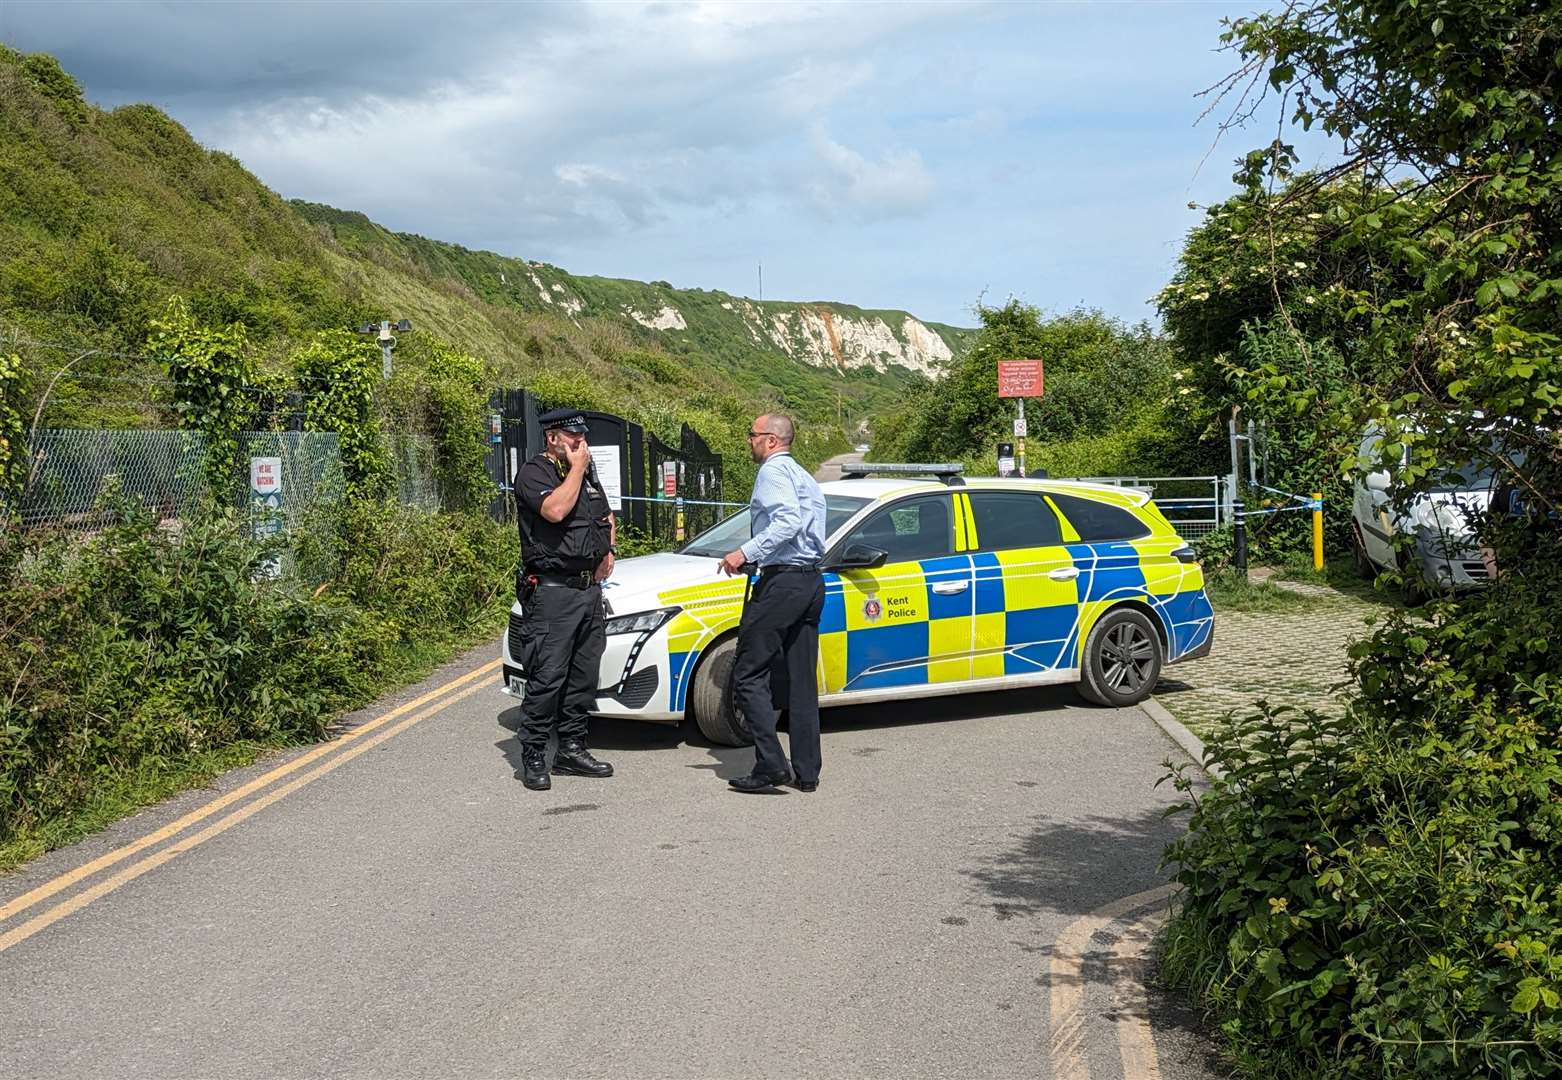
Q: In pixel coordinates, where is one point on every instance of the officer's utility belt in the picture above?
(790, 568)
(580, 579)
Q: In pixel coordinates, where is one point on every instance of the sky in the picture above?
(923, 156)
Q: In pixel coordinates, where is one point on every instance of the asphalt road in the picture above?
(831, 469)
(399, 905)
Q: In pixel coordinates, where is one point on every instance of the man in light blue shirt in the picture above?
(780, 624)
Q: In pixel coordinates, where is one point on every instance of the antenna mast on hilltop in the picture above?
(761, 281)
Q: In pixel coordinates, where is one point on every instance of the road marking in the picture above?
(179, 847)
(1131, 960)
(1069, 1049)
(86, 870)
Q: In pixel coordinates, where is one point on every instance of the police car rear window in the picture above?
(1099, 521)
(1010, 519)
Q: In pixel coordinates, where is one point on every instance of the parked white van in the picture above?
(1440, 523)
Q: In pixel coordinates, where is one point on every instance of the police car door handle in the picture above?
(1064, 573)
(950, 588)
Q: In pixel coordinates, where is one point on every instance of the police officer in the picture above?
(567, 537)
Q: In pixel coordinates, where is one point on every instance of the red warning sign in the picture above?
(1019, 378)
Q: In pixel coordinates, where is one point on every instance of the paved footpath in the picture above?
(1294, 657)
(970, 892)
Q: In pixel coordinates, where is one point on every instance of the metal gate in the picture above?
(631, 463)
(1195, 505)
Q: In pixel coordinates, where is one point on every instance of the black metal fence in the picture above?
(657, 489)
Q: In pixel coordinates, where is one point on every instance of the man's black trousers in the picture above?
(560, 648)
(780, 632)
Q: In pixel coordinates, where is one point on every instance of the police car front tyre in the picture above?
(711, 698)
(1122, 659)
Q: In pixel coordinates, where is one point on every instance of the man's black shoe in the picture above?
(534, 770)
(574, 759)
(758, 782)
(808, 785)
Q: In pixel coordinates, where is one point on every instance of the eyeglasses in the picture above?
(760, 434)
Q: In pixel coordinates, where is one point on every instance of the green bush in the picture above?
(139, 647)
(422, 574)
(340, 374)
(1378, 894)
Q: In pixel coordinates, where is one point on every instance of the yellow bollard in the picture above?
(1317, 530)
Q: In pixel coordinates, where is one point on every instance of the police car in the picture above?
(933, 586)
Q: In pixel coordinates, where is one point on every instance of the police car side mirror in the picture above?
(859, 557)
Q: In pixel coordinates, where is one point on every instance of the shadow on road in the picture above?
(952, 709)
(609, 733)
(1073, 866)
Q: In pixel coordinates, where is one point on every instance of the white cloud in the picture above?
(687, 140)
(581, 176)
(896, 185)
(816, 84)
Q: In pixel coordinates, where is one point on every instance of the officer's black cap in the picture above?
(563, 419)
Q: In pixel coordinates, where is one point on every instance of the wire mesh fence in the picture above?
(309, 474)
(417, 478)
(73, 474)
(70, 474)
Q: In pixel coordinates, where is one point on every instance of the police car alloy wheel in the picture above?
(1122, 659)
(711, 698)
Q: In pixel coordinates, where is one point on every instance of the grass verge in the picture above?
(1231, 591)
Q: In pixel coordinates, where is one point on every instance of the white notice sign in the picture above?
(606, 459)
(265, 475)
(1019, 427)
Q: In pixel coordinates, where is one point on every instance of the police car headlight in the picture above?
(641, 622)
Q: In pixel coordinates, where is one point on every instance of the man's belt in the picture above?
(580, 579)
(790, 568)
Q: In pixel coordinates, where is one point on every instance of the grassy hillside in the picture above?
(714, 335)
(104, 215)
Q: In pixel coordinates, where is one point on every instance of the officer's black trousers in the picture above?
(780, 630)
(561, 640)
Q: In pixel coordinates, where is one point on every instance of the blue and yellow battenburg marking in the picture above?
(971, 615)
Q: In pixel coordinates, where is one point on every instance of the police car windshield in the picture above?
(716, 542)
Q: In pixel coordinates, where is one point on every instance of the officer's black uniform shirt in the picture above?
(577, 543)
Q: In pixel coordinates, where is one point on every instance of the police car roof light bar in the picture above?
(947, 471)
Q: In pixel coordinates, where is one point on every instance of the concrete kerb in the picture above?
(1191, 744)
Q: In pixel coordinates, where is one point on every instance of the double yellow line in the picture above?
(357, 741)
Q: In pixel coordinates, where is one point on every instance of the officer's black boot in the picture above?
(534, 770)
(573, 758)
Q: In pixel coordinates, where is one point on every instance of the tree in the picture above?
(1453, 107)
(1379, 894)
(1100, 376)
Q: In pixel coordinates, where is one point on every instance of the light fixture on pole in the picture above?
(386, 339)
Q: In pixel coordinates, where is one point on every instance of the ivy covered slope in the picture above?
(106, 215)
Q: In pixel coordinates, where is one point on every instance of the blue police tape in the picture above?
(1302, 503)
(676, 501)
(658, 502)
